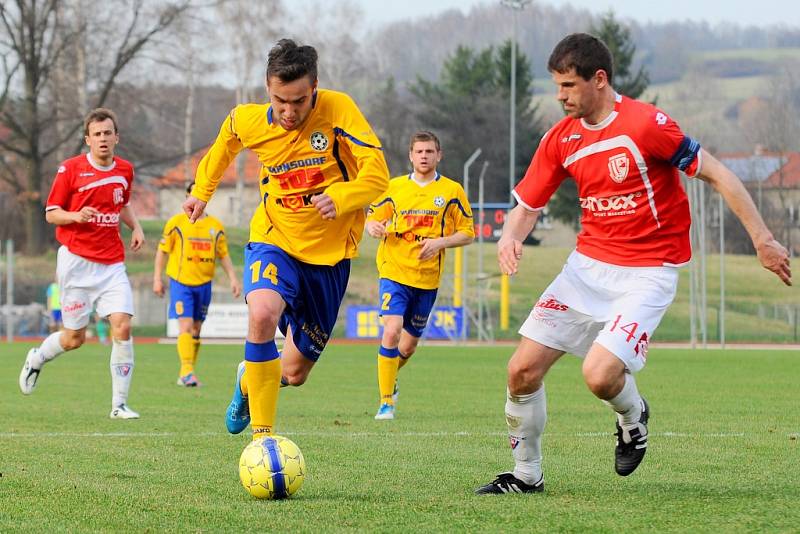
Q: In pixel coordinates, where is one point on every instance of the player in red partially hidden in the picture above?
(617, 284)
(89, 197)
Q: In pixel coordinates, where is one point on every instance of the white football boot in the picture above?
(29, 374)
(123, 411)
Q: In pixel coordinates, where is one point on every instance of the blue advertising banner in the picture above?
(363, 322)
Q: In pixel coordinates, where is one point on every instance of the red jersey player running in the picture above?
(617, 284)
(90, 195)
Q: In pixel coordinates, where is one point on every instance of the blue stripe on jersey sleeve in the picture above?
(338, 131)
(686, 153)
(458, 203)
(453, 202)
(381, 203)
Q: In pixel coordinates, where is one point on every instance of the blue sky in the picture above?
(759, 13)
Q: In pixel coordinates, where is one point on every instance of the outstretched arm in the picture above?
(519, 224)
(210, 169)
(772, 255)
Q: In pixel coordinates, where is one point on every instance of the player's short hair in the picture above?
(99, 115)
(289, 61)
(583, 52)
(424, 135)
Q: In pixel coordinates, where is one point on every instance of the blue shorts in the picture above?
(189, 301)
(412, 303)
(313, 293)
(56, 315)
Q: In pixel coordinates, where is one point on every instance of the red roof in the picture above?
(789, 174)
(174, 177)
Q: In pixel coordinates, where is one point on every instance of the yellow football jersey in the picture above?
(436, 209)
(193, 248)
(335, 151)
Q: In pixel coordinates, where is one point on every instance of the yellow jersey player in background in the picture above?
(191, 250)
(420, 215)
(321, 166)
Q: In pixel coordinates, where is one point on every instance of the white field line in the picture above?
(23, 435)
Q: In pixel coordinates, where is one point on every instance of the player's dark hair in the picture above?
(289, 62)
(99, 115)
(424, 135)
(583, 52)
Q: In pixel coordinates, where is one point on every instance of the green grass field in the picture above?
(723, 453)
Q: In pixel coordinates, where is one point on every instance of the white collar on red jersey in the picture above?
(608, 120)
(99, 167)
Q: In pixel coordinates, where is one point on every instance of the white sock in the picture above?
(49, 349)
(121, 370)
(628, 403)
(526, 416)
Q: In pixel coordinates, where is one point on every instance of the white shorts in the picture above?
(86, 285)
(595, 302)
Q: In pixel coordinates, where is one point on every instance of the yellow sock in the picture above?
(263, 385)
(195, 350)
(403, 361)
(186, 353)
(243, 382)
(387, 374)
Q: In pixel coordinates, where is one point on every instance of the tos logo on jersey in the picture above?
(318, 141)
(438, 201)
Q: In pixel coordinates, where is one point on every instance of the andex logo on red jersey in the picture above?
(105, 219)
(621, 204)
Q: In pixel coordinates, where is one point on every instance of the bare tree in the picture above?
(342, 61)
(249, 45)
(34, 36)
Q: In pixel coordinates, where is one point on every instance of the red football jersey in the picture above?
(635, 211)
(80, 182)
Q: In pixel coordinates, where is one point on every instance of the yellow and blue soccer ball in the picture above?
(272, 467)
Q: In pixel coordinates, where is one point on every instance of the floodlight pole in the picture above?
(721, 272)
(10, 290)
(515, 5)
(465, 265)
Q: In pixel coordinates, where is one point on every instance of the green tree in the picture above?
(618, 39)
(468, 109)
(36, 37)
(393, 123)
(564, 205)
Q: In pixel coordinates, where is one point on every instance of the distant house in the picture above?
(232, 207)
(774, 182)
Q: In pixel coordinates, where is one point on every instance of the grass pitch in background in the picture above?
(723, 454)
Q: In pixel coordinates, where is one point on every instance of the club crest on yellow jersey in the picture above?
(319, 141)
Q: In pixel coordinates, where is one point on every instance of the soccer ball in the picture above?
(272, 467)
